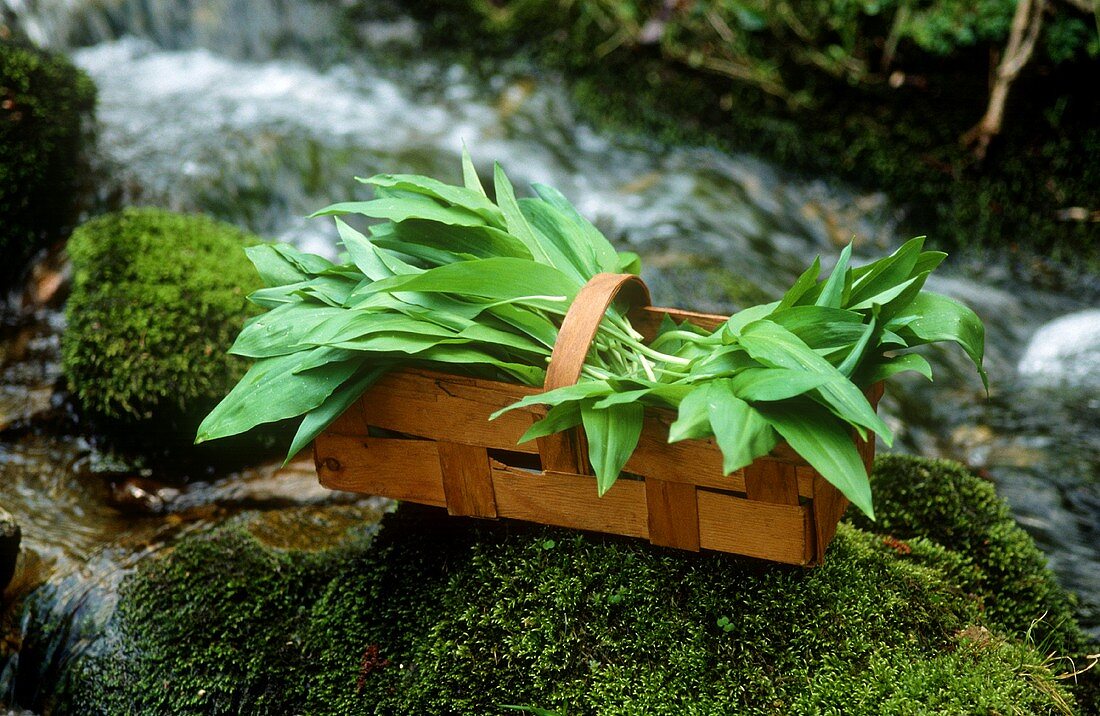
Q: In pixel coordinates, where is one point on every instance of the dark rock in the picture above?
(10, 537)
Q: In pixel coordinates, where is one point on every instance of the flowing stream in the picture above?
(262, 111)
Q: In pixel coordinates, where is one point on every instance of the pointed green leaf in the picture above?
(558, 418)
(832, 293)
(612, 435)
(742, 434)
(824, 442)
(402, 208)
(273, 389)
(316, 420)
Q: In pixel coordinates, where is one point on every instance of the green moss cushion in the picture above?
(447, 616)
(157, 300)
(46, 118)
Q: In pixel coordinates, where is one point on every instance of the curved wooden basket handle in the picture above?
(582, 320)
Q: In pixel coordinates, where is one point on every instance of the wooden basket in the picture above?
(441, 449)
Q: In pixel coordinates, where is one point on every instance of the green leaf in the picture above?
(930, 318)
(310, 264)
(558, 418)
(832, 293)
(820, 327)
(274, 389)
(612, 435)
(363, 253)
(282, 330)
(498, 278)
(628, 396)
(852, 361)
(469, 173)
(889, 367)
(886, 273)
(480, 241)
(629, 262)
(929, 261)
(755, 384)
(562, 240)
(805, 282)
(732, 327)
(742, 434)
(693, 419)
(776, 347)
(409, 207)
(471, 200)
(824, 442)
(894, 298)
(517, 222)
(273, 267)
(578, 391)
(351, 325)
(316, 420)
(606, 258)
(463, 355)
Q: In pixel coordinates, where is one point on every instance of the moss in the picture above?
(441, 615)
(157, 300)
(808, 91)
(941, 501)
(46, 118)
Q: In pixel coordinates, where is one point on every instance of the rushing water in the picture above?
(260, 112)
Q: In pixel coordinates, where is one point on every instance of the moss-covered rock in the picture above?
(46, 121)
(442, 615)
(941, 501)
(157, 300)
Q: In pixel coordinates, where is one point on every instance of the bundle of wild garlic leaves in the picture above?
(453, 280)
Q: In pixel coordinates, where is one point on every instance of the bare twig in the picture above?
(1026, 24)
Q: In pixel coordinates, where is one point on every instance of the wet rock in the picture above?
(10, 537)
(1065, 351)
(136, 495)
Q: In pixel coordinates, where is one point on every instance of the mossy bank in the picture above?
(880, 93)
(442, 616)
(157, 300)
(47, 111)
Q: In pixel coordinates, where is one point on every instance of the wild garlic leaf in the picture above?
(859, 350)
(395, 208)
(577, 391)
(612, 435)
(832, 291)
(741, 432)
(274, 389)
(770, 384)
(824, 441)
(282, 330)
(889, 367)
(479, 241)
(273, 267)
(558, 418)
(517, 223)
(342, 398)
(457, 196)
(606, 258)
(805, 282)
(693, 418)
(776, 347)
(561, 237)
(930, 318)
(884, 274)
(449, 353)
(363, 252)
(496, 278)
(470, 178)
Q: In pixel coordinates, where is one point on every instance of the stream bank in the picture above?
(261, 128)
